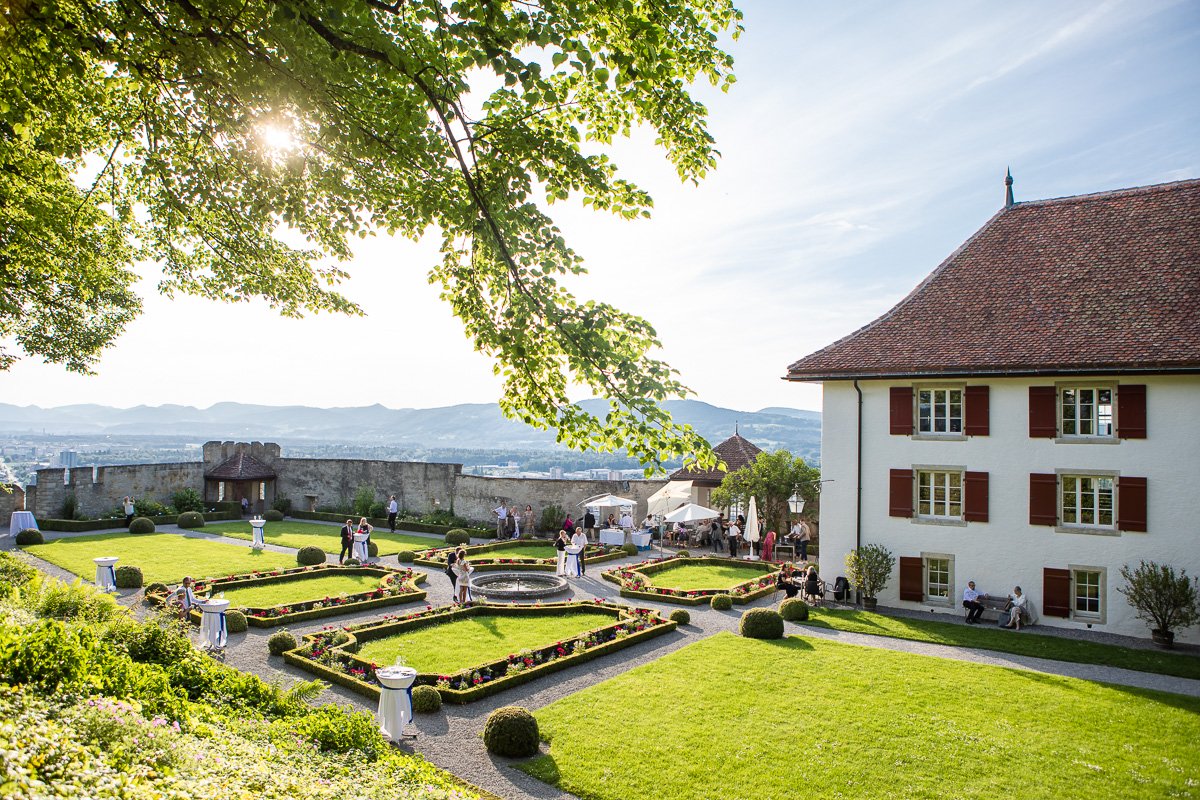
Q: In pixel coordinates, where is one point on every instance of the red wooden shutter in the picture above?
(977, 401)
(1043, 412)
(1056, 592)
(1131, 411)
(902, 410)
(1043, 499)
(1131, 503)
(911, 579)
(901, 493)
(975, 497)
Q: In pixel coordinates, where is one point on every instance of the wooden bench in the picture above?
(993, 610)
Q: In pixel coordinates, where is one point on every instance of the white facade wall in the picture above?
(1007, 550)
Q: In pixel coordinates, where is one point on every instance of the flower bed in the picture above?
(332, 654)
(396, 586)
(635, 584)
(436, 557)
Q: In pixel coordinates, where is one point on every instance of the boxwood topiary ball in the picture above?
(141, 525)
(794, 610)
(129, 577)
(680, 616)
(761, 623)
(406, 556)
(310, 556)
(157, 588)
(426, 699)
(721, 602)
(235, 622)
(30, 536)
(280, 642)
(511, 731)
(274, 515)
(351, 562)
(458, 536)
(684, 554)
(630, 549)
(372, 550)
(190, 519)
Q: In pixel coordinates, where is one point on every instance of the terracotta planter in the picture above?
(1163, 638)
(869, 603)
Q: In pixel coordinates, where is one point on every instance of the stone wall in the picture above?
(217, 453)
(100, 489)
(12, 498)
(310, 482)
(475, 496)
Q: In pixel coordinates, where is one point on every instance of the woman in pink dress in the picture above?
(768, 550)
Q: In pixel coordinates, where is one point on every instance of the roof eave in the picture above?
(995, 372)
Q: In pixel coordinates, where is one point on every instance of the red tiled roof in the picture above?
(1085, 284)
(735, 451)
(241, 467)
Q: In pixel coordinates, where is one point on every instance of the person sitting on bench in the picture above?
(971, 602)
(812, 585)
(787, 581)
(1016, 606)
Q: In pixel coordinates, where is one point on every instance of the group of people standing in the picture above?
(512, 521)
(347, 534)
(577, 538)
(458, 570)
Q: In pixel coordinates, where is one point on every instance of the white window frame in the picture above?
(1066, 475)
(946, 404)
(934, 600)
(220, 491)
(1094, 418)
(1099, 616)
(947, 471)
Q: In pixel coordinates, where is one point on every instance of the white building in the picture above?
(1030, 414)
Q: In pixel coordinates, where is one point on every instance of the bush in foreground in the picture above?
(273, 515)
(761, 623)
(511, 731)
(235, 622)
(406, 556)
(351, 562)
(280, 642)
(141, 525)
(30, 536)
(426, 699)
(794, 609)
(680, 616)
(190, 519)
(310, 556)
(372, 550)
(684, 554)
(629, 549)
(458, 536)
(721, 602)
(129, 577)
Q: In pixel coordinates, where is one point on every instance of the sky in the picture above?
(862, 144)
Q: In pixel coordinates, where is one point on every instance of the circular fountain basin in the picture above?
(517, 585)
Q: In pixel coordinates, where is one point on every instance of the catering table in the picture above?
(642, 540)
(612, 536)
(21, 520)
(260, 541)
(106, 574)
(213, 633)
(360, 546)
(573, 567)
(395, 700)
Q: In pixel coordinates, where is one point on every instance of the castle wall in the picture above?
(100, 489)
(327, 481)
(476, 496)
(12, 498)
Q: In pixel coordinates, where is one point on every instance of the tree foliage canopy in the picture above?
(194, 132)
(771, 479)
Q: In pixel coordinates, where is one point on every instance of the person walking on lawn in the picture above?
(347, 540)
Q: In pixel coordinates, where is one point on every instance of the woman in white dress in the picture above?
(462, 572)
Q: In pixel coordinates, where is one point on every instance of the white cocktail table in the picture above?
(106, 573)
(360, 546)
(19, 521)
(573, 567)
(213, 633)
(615, 536)
(395, 700)
(260, 541)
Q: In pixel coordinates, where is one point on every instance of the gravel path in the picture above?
(451, 739)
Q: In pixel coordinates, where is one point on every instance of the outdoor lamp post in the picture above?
(796, 503)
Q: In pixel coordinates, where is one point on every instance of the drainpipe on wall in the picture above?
(858, 484)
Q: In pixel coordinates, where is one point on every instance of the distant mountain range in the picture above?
(466, 426)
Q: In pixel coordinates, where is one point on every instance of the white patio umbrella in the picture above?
(751, 532)
(607, 501)
(670, 497)
(692, 513)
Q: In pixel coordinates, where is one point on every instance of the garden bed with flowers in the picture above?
(505, 555)
(333, 654)
(651, 580)
(384, 586)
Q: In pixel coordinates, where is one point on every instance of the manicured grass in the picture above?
(326, 537)
(803, 717)
(703, 576)
(453, 646)
(300, 590)
(163, 557)
(992, 638)
(519, 551)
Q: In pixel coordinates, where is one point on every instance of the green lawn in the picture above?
(804, 717)
(992, 638)
(326, 537)
(299, 590)
(703, 576)
(163, 557)
(453, 646)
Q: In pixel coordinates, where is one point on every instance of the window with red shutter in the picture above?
(1131, 411)
(975, 507)
(1043, 412)
(977, 401)
(1131, 503)
(900, 502)
(1043, 499)
(911, 579)
(1056, 592)
(901, 400)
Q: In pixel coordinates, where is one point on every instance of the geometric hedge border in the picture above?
(594, 554)
(633, 583)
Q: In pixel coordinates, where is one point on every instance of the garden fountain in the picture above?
(517, 585)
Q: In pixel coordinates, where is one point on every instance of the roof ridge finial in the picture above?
(1008, 182)
(735, 427)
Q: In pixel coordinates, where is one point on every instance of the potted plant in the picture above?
(869, 568)
(1162, 598)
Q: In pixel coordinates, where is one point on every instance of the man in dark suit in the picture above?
(347, 540)
(589, 524)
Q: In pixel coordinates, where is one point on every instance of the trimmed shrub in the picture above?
(129, 577)
(149, 508)
(761, 623)
(280, 642)
(283, 504)
(351, 562)
(378, 511)
(794, 609)
(426, 699)
(141, 525)
(310, 556)
(684, 554)
(157, 588)
(458, 536)
(235, 622)
(187, 500)
(372, 550)
(364, 497)
(511, 731)
(629, 549)
(273, 515)
(721, 602)
(190, 519)
(30, 536)
(406, 556)
(551, 518)
(681, 616)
